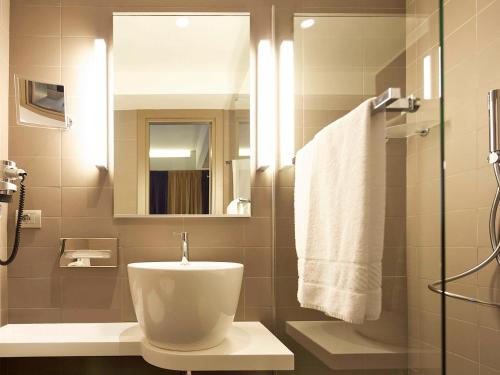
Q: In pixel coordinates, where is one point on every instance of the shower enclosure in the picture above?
(439, 184)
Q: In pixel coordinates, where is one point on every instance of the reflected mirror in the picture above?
(179, 168)
(181, 114)
(40, 104)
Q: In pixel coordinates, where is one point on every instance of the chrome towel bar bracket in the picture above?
(392, 101)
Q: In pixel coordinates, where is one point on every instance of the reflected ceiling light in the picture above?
(286, 104)
(182, 22)
(427, 72)
(307, 23)
(100, 123)
(244, 151)
(169, 153)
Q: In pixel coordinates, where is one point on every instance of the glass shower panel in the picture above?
(340, 61)
(471, 68)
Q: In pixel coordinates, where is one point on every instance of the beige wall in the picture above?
(472, 60)
(53, 42)
(4, 100)
(472, 67)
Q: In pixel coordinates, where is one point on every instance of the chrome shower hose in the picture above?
(436, 286)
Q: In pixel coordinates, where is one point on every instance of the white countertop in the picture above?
(341, 347)
(249, 346)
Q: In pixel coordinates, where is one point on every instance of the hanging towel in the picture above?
(241, 178)
(339, 217)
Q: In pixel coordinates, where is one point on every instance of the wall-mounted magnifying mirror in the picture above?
(41, 104)
(181, 114)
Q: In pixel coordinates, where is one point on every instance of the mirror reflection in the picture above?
(40, 104)
(181, 114)
(179, 168)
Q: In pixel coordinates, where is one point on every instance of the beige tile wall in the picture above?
(472, 60)
(4, 100)
(472, 67)
(52, 41)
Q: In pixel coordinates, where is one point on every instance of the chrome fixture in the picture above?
(423, 132)
(391, 101)
(184, 246)
(494, 155)
(88, 252)
(494, 159)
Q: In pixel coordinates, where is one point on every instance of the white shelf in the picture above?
(249, 346)
(339, 346)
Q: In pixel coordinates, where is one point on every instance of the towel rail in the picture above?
(391, 101)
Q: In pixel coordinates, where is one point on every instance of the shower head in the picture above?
(494, 131)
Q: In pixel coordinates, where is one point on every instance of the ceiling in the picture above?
(176, 136)
(158, 62)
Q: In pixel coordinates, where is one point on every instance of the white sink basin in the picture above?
(185, 307)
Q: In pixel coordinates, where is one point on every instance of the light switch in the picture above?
(31, 219)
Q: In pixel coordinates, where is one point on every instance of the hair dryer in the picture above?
(9, 175)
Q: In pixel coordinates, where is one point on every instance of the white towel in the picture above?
(241, 178)
(339, 217)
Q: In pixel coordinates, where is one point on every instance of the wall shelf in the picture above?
(339, 346)
(249, 346)
(410, 129)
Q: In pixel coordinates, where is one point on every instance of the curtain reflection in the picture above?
(179, 192)
(158, 182)
(184, 192)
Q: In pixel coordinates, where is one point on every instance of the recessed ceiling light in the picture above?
(307, 23)
(244, 151)
(182, 22)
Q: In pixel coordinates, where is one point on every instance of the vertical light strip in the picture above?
(427, 72)
(287, 104)
(101, 105)
(265, 105)
(439, 72)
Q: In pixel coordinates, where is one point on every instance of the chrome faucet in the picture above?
(184, 246)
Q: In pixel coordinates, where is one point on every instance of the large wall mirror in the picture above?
(181, 114)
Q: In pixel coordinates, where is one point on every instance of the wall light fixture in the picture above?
(286, 104)
(265, 105)
(100, 122)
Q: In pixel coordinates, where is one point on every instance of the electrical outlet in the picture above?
(31, 219)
